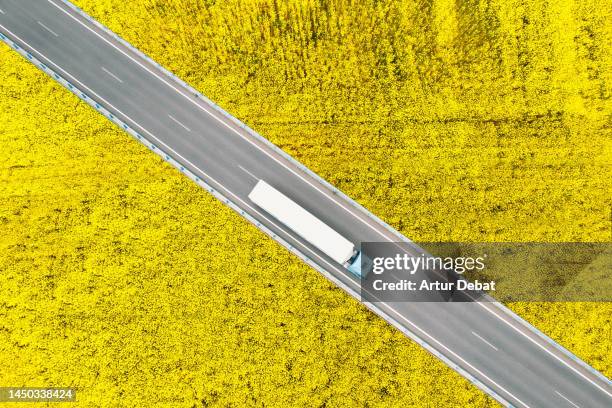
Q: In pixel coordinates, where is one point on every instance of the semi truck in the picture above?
(307, 226)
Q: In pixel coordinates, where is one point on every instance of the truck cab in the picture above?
(355, 265)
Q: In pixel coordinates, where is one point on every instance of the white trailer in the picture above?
(306, 225)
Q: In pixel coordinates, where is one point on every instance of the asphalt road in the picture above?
(502, 355)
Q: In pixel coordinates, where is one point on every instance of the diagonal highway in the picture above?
(483, 341)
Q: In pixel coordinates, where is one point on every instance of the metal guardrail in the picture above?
(221, 197)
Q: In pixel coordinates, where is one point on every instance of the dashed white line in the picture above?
(567, 399)
(2, 11)
(486, 342)
(47, 28)
(222, 122)
(248, 172)
(483, 305)
(291, 170)
(254, 211)
(111, 74)
(301, 177)
(456, 356)
(179, 123)
(198, 104)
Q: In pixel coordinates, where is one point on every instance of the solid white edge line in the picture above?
(111, 74)
(177, 122)
(567, 399)
(333, 267)
(197, 103)
(483, 304)
(292, 171)
(457, 356)
(47, 28)
(485, 341)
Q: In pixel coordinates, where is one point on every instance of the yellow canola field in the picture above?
(473, 121)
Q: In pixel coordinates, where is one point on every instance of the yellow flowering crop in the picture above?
(473, 121)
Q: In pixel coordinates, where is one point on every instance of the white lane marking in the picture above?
(47, 28)
(248, 172)
(2, 11)
(481, 338)
(567, 399)
(299, 244)
(454, 354)
(111, 74)
(179, 123)
(358, 216)
(198, 104)
(292, 171)
(483, 304)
